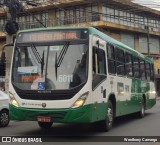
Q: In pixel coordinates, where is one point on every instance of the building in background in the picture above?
(136, 26)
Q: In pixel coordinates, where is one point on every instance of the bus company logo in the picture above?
(44, 105)
(24, 103)
(31, 104)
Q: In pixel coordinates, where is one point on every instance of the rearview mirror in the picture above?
(3, 57)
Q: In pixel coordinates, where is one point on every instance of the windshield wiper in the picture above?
(42, 63)
(36, 54)
(38, 57)
(59, 60)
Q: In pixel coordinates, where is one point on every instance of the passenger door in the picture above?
(99, 78)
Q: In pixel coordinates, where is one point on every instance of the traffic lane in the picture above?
(32, 128)
(124, 126)
(149, 125)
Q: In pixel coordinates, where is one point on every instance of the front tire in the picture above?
(45, 125)
(106, 125)
(4, 118)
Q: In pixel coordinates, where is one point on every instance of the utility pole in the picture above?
(8, 54)
(11, 27)
(148, 38)
(12, 7)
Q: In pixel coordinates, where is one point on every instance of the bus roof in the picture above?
(98, 33)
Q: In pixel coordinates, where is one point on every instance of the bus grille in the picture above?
(36, 96)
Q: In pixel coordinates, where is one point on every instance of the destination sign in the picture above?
(47, 36)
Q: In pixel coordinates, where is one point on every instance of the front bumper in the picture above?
(82, 114)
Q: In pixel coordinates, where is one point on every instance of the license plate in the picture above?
(44, 119)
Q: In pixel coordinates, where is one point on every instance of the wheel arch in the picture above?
(4, 109)
(144, 97)
(112, 98)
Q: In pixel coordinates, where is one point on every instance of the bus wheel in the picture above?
(4, 118)
(141, 113)
(45, 125)
(106, 125)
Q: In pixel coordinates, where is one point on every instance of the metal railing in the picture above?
(75, 20)
(91, 17)
(59, 22)
(31, 25)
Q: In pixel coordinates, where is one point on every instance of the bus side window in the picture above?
(152, 72)
(129, 65)
(99, 61)
(94, 61)
(136, 67)
(148, 71)
(120, 62)
(142, 70)
(111, 59)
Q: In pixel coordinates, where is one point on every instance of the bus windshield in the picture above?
(50, 67)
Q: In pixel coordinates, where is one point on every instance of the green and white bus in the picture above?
(77, 75)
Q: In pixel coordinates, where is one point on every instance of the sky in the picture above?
(155, 4)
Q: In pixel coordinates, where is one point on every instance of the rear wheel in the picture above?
(106, 125)
(4, 118)
(45, 125)
(141, 113)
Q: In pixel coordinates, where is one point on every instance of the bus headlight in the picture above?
(152, 92)
(80, 101)
(13, 100)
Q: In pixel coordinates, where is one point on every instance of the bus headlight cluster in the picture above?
(13, 100)
(152, 92)
(80, 101)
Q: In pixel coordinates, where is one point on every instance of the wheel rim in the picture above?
(110, 116)
(142, 110)
(4, 119)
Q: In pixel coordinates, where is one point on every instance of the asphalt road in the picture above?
(124, 126)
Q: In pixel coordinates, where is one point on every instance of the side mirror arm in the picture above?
(3, 58)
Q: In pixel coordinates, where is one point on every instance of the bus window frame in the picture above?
(112, 60)
(152, 79)
(128, 76)
(142, 69)
(148, 70)
(136, 68)
(121, 62)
